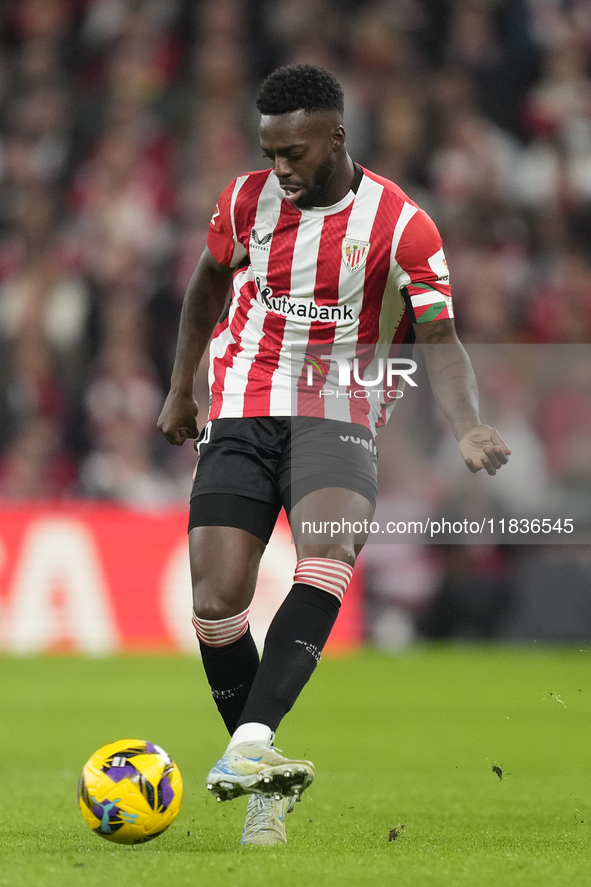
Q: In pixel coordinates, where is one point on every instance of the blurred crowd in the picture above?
(122, 120)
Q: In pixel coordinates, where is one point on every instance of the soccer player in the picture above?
(320, 256)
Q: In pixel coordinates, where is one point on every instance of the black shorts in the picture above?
(274, 461)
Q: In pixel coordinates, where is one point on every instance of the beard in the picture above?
(316, 194)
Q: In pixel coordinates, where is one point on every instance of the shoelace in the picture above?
(263, 813)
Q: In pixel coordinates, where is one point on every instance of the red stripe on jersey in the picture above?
(326, 292)
(420, 242)
(257, 395)
(376, 273)
(390, 186)
(221, 367)
(220, 237)
(246, 206)
(326, 289)
(376, 277)
(403, 327)
(222, 364)
(251, 376)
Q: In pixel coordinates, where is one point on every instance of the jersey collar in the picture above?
(335, 207)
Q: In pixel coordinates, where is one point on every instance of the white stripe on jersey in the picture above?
(392, 306)
(408, 211)
(391, 311)
(239, 250)
(220, 343)
(300, 261)
(236, 379)
(303, 280)
(359, 227)
(223, 340)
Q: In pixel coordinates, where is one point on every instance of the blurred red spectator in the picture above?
(36, 466)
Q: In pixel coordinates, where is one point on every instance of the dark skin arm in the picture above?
(456, 392)
(204, 302)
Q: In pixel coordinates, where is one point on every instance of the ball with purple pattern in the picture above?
(130, 791)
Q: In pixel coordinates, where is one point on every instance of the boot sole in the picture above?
(278, 781)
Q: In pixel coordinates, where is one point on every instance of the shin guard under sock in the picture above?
(292, 651)
(230, 671)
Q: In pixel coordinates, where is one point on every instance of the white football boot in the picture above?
(265, 820)
(249, 768)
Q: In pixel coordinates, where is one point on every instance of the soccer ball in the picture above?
(130, 791)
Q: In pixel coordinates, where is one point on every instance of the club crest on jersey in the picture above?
(260, 241)
(354, 254)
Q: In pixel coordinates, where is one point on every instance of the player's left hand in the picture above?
(483, 447)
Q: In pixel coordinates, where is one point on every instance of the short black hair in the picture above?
(300, 87)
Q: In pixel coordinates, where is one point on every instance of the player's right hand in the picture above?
(178, 419)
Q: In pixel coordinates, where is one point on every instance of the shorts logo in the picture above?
(368, 444)
(355, 254)
(262, 242)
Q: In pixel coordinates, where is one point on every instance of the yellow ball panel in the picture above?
(129, 791)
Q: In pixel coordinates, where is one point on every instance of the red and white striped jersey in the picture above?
(317, 282)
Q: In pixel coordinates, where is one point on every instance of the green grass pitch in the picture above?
(407, 740)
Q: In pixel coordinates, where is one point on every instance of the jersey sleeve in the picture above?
(421, 271)
(221, 238)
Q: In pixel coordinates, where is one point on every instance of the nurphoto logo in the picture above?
(357, 378)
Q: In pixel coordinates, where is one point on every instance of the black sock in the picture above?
(230, 671)
(293, 645)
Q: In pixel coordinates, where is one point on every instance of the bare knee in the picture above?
(214, 603)
(224, 567)
(336, 551)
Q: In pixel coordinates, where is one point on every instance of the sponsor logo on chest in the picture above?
(306, 309)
